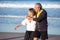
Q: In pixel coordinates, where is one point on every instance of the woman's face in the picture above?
(30, 13)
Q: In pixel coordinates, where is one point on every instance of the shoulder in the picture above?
(44, 11)
(25, 19)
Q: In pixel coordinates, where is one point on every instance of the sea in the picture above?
(14, 12)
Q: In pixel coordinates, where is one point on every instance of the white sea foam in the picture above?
(12, 5)
(13, 16)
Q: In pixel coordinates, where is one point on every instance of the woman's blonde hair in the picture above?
(32, 10)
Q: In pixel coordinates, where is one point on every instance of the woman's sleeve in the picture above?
(24, 22)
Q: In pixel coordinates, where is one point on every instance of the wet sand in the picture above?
(20, 36)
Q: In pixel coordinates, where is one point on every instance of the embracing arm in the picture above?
(41, 17)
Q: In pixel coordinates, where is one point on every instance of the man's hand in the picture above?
(29, 18)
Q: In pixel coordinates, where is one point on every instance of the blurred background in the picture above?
(13, 12)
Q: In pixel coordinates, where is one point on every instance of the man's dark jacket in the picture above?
(41, 21)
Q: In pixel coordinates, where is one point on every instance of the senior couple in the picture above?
(36, 22)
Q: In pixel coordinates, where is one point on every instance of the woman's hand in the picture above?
(15, 28)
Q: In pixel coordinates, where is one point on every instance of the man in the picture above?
(41, 23)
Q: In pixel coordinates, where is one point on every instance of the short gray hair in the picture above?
(39, 5)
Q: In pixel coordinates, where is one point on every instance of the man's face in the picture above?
(37, 8)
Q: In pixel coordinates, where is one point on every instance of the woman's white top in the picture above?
(30, 26)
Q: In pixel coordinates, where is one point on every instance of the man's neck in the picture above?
(39, 10)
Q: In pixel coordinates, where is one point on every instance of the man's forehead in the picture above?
(37, 5)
